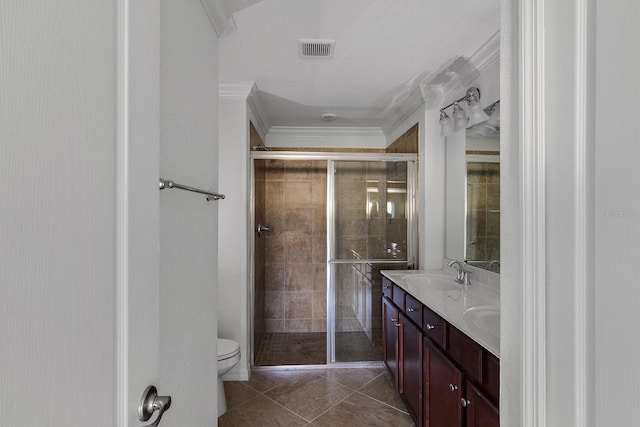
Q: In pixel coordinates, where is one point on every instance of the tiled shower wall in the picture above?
(295, 249)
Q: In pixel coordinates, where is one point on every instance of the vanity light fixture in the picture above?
(489, 127)
(493, 111)
(460, 118)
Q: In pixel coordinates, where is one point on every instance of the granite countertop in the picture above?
(473, 309)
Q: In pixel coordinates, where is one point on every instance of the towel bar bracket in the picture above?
(164, 183)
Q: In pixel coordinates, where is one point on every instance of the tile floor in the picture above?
(332, 397)
(310, 348)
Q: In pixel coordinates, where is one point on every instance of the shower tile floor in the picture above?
(310, 348)
(345, 397)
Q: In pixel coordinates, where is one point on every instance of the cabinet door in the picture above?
(410, 367)
(443, 389)
(390, 336)
(480, 411)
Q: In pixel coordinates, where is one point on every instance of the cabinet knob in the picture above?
(453, 387)
(411, 309)
(465, 402)
(397, 325)
(430, 326)
(393, 319)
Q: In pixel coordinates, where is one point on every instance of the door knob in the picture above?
(262, 229)
(150, 402)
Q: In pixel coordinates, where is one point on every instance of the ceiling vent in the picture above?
(315, 48)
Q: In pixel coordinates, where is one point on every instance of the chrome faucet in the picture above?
(462, 275)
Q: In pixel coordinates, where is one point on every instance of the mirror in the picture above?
(473, 198)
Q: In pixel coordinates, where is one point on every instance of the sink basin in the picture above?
(485, 318)
(436, 282)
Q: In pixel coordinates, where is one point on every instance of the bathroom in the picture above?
(557, 60)
(279, 283)
(243, 128)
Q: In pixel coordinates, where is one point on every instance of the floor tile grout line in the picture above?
(374, 379)
(384, 403)
(289, 410)
(337, 403)
(351, 390)
(313, 376)
(263, 394)
(278, 385)
(319, 373)
(240, 383)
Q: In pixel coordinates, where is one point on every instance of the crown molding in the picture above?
(328, 137)
(484, 58)
(323, 132)
(220, 13)
(488, 54)
(237, 90)
(221, 20)
(247, 91)
(429, 96)
(261, 121)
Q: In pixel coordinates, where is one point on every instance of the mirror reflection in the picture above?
(482, 243)
(473, 197)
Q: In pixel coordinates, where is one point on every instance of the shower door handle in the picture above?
(262, 229)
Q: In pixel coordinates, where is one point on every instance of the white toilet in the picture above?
(228, 357)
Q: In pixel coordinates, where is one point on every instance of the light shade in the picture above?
(476, 113)
(446, 124)
(494, 115)
(460, 118)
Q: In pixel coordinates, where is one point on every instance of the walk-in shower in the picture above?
(335, 221)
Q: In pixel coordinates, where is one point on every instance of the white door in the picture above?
(61, 256)
(88, 315)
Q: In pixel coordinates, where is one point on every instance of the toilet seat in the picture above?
(227, 349)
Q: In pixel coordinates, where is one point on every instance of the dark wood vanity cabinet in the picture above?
(410, 367)
(390, 346)
(444, 377)
(480, 411)
(444, 388)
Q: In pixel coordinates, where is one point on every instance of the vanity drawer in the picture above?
(467, 353)
(397, 295)
(434, 327)
(413, 308)
(386, 287)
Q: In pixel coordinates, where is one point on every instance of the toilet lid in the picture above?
(227, 348)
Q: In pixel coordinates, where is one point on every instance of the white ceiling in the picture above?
(384, 50)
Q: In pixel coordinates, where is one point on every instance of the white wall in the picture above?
(617, 212)
(188, 223)
(233, 250)
(57, 213)
(512, 397)
(569, 301)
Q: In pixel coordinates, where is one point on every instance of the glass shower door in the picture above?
(369, 220)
